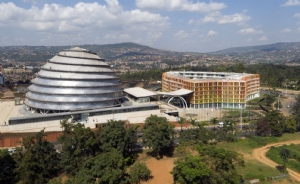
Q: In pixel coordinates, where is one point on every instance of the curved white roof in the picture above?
(139, 92)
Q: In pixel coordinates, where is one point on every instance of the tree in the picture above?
(107, 167)
(196, 135)
(214, 121)
(284, 155)
(277, 105)
(290, 124)
(158, 134)
(78, 144)
(212, 165)
(276, 121)
(7, 166)
(263, 127)
(139, 171)
(295, 109)
(181, 121)
(115, 136)
(38, 162)
(190, 170)
(269, 99)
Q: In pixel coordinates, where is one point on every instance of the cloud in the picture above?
(181, 34)
(212, 33)
(154, 36)
(250, 31)
(263, 38)
(286, 30)
(192, 21)
(291, 3)
(180, 5)
(89, 19)
(237, 18)
(297, 15)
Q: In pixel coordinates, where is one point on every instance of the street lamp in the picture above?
(241, 117)
(278, 102)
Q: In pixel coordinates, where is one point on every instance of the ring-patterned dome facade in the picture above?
(74, 79)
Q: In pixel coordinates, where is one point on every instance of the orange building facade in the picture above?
(213, 89)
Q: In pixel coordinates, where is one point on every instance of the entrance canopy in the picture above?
(139, 92)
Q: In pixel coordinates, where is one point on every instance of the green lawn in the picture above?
(254, 169)
(294, 160)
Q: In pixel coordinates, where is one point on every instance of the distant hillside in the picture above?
(108, 51)
(261, 48)
(118, 50)
(272, 53)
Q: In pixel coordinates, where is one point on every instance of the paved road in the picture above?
(286, 102)
(286, 105)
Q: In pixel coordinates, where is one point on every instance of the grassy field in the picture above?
(254, 169)
(294, 160)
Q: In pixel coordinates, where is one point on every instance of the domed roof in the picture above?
(74, 79)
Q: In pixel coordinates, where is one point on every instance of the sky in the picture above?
(176, 25)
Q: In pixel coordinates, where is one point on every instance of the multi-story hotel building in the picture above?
(213, 89)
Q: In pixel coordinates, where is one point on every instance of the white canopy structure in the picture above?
(143, 95)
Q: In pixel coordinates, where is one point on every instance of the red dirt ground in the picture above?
(160, 170)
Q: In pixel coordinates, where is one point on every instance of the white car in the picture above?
(220, 124)
(12, 150)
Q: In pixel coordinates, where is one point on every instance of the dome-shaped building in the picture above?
(74, 79)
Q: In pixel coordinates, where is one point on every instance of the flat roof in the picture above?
(180, 92)
(199, 75)
(139, 92)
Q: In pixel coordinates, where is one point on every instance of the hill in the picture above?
(277, 52)
(261, 48)
(272, 53)
(108, 51)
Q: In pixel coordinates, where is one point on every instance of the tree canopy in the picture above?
(139, 172)
(115, 136)
(38, 162)
(7, 166)
(211, 166)
(78, 144)
(158, 134)
(108, 167)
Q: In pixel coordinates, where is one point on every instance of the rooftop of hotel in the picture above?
(194, 75)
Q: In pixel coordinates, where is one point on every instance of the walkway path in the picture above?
(260, 155)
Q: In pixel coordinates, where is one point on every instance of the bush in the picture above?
(139, 171)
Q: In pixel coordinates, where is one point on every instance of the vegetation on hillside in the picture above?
(273, 76)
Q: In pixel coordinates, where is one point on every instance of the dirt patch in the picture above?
(160, 170)
(260, 155)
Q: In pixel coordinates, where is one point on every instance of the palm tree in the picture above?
(181, 121)
(214, 120)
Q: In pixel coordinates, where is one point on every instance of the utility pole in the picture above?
(278, 102)
(241, 117)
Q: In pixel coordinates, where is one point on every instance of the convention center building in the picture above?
(213, 89)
